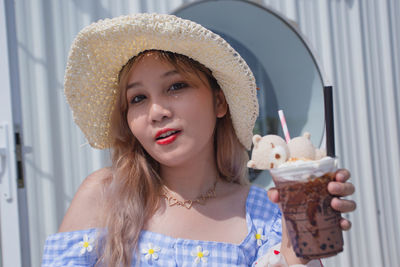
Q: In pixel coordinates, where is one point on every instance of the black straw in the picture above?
(330, 133)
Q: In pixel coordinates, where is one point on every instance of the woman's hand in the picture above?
(341, 188)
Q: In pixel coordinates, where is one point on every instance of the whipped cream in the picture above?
(303, 169)
(306, 162)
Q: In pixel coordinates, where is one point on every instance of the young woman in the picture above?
(176, 105)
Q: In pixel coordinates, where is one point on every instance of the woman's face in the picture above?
(171, 115)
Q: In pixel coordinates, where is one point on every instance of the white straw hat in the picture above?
(101, 49)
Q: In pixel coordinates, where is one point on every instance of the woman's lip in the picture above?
(168, 140)
(160, 132)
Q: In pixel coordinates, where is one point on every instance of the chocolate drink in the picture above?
(313, 226)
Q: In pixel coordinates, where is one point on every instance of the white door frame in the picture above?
(12, 247)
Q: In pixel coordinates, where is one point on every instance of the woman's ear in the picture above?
(221, 107)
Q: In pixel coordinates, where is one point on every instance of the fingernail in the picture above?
(340, 176)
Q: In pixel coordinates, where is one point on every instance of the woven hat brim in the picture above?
(101, 49)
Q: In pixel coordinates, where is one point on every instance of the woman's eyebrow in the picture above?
(132, 85)
(169, 73)
(164, 75)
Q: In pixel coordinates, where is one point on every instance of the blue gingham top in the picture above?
(264, 231)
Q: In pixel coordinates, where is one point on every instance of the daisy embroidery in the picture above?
(86, 244)
(260, 237)
(151, 252)
(200, 255)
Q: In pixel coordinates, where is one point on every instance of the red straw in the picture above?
(284, 125)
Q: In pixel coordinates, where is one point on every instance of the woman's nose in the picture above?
(158, 112)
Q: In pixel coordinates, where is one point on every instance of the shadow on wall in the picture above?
(350, 3)
(94, 9)
(54, 101)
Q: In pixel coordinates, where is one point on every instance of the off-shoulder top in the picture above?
(263, 220)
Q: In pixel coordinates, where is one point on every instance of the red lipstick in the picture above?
(166, 136)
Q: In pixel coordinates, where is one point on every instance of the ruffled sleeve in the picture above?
(76, 248)
(265, 218)
(273, 234)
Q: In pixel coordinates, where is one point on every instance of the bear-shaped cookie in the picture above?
(301, 148)
(269, 152)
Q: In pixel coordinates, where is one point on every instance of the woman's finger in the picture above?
(341, 189)
(273, 195)
(343, 205)
(342, 175)
(345, 224)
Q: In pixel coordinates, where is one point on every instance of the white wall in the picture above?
(358, 45)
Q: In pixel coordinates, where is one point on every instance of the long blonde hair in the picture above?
(132, 194)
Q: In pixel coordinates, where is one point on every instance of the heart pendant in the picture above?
(188, 204)
(172, 201)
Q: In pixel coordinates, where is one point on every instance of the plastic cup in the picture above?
(313, 226)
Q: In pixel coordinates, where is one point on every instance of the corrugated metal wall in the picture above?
(357, 42)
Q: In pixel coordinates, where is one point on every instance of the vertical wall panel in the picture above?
(351, 107)
(357, 43)
(384, 121)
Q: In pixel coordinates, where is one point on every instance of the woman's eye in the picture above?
(137, 99)
(177, 86)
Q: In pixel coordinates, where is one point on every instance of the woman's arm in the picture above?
(85, 208)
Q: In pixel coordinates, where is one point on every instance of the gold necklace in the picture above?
(172, 201)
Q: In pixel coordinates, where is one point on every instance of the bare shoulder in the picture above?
(85, 208)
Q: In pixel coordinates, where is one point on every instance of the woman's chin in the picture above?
(180, 153)
(176, 157)
(172, 160)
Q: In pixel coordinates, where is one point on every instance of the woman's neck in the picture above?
(191, 179)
